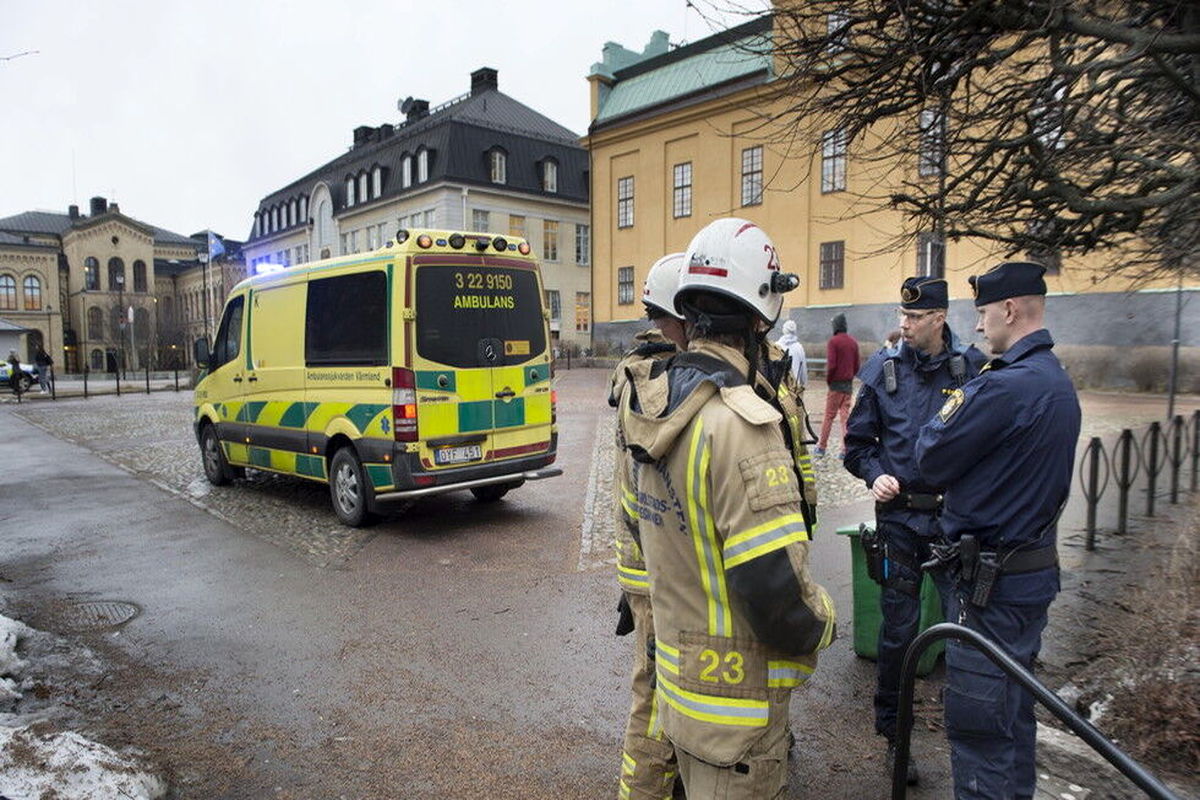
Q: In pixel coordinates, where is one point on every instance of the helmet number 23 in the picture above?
(730, 669)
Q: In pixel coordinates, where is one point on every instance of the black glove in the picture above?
(624, 616)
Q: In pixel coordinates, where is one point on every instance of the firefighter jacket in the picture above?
(631, 567)
(788, 395)
(738, 620)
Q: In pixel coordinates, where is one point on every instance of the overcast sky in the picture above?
(187, 113)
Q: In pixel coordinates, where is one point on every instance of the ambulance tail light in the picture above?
(404, 404)
(553, 406)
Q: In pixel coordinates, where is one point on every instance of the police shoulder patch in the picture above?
(953, 403)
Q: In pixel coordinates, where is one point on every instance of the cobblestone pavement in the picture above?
(151, 437)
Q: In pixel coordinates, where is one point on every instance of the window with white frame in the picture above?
(833, 265)
(422, 166)
(833, 161)
(554, 303)
(376, 182)
(625, 202)
(583, 244)
(583, 312)
(932, 158)
(931, 255)
(480, 220)
(8, 293)
(406, 172)
(349, 191)
(752, 175)
(516, 226)
(32, 288)
(372, 242)
(345, 243)
(498, 166)
(354, 241)
(682, 190)
(624, 286)
(549, 176)
(291, 212)
(304, 210)
(430, 218)
(362, 188)
(550, 240)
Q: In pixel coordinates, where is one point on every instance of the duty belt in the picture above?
(968, 564)
(912, 501)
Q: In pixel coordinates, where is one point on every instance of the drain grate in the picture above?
(95, 615)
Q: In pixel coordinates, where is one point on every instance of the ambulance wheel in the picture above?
(493, 491)
(348, 488)
(216, 469)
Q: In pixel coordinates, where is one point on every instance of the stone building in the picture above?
(479, 162)
(105, 290)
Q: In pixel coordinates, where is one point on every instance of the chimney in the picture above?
(114, 208)
(417, 109)
(362, 135)
(73, 212)
(484, 79)
(386, 130)
(99, 206)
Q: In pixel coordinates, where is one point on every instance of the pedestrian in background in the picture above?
(14, 371)
(738, 619)
(901, 391)
(790, 345)
(891, 343)
(1004, 448)
(45, 369)
(841, 365)
(648, 767)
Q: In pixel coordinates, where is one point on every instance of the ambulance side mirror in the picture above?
(200, 353)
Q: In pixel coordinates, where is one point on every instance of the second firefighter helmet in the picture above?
(735, 258)
(658, 293)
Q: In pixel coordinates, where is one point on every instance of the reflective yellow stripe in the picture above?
(624, 791)
(764, 538)
(666, 656)
(830, 621)
(704, 537)
(632, 577)
(629, 764)
(786, 674)
(654, 726)
(718, 710)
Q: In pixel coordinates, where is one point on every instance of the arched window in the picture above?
(139, 276)
(91, 274)
(257, 225)
(275, 219)
(33, 293)
(349, 191)
(498, 165)
(422, 166)
(406, 172)
(362, 187)
(97, 360)
(116, 274)
(304, 210)
(377, 182)
(8, 293)
(95, 329)
(292, 212)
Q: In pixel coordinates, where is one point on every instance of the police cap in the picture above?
(923, 292)
(1010, 279)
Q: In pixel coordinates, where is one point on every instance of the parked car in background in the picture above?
(28, 375)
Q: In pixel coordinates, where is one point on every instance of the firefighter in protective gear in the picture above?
(738, 620)
(648, 768)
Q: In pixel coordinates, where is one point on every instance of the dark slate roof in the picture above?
(18, 240)
(50, 223)
(458, 135)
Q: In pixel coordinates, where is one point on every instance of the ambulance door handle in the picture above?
(252, 379)
(505, 392)
(237, 379)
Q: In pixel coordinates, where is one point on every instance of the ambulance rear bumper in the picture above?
(508, 477)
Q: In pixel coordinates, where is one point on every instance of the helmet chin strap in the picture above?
(705, 323)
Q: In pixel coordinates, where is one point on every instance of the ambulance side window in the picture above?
(229, 335)
(346, 321)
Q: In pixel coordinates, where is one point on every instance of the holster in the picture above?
(873, 550)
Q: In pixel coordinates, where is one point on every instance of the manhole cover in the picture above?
(96, 615)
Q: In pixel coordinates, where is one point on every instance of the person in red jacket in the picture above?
(841, 365)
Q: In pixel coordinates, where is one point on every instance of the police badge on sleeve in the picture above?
(953, 403)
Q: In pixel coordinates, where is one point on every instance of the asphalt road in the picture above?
(460, 650)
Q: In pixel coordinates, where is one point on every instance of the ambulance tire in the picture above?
(348, 488)
(216, 468)
(493, 491)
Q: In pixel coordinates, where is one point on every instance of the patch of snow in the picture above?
(10, 666)
(70, 767)
(1098, 709)
(199, 487)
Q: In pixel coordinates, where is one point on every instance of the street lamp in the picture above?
(120, 277)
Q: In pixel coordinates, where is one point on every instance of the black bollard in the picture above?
(1176, 456)
(1152, 467)
(177, 379)
(85, 377)
(1091, 490)
(117, 375)
(147, 379)
(53, 385)
(1195, 445)
(1124, 454)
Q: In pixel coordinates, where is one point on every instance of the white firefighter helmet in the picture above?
(735, 258)
(661, 283)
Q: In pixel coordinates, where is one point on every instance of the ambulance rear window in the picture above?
(472, 316)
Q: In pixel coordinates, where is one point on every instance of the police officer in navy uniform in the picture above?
(1004, 447)
(901, 390)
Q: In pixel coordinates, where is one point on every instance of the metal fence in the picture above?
(1146, 454)
(89, 383)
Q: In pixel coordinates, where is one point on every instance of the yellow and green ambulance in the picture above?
(420, 368)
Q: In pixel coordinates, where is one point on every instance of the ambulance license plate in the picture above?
(457, 455)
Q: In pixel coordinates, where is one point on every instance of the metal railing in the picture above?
(1079, 726)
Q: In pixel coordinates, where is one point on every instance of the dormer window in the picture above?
(362, 187)
(376, 182)
(291, 212)
(304, 210)
(349, 191)
(550, 176)
(406, 172)
(498, 165)
(422, 166)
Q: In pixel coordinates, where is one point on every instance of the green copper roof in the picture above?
(692, 73)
